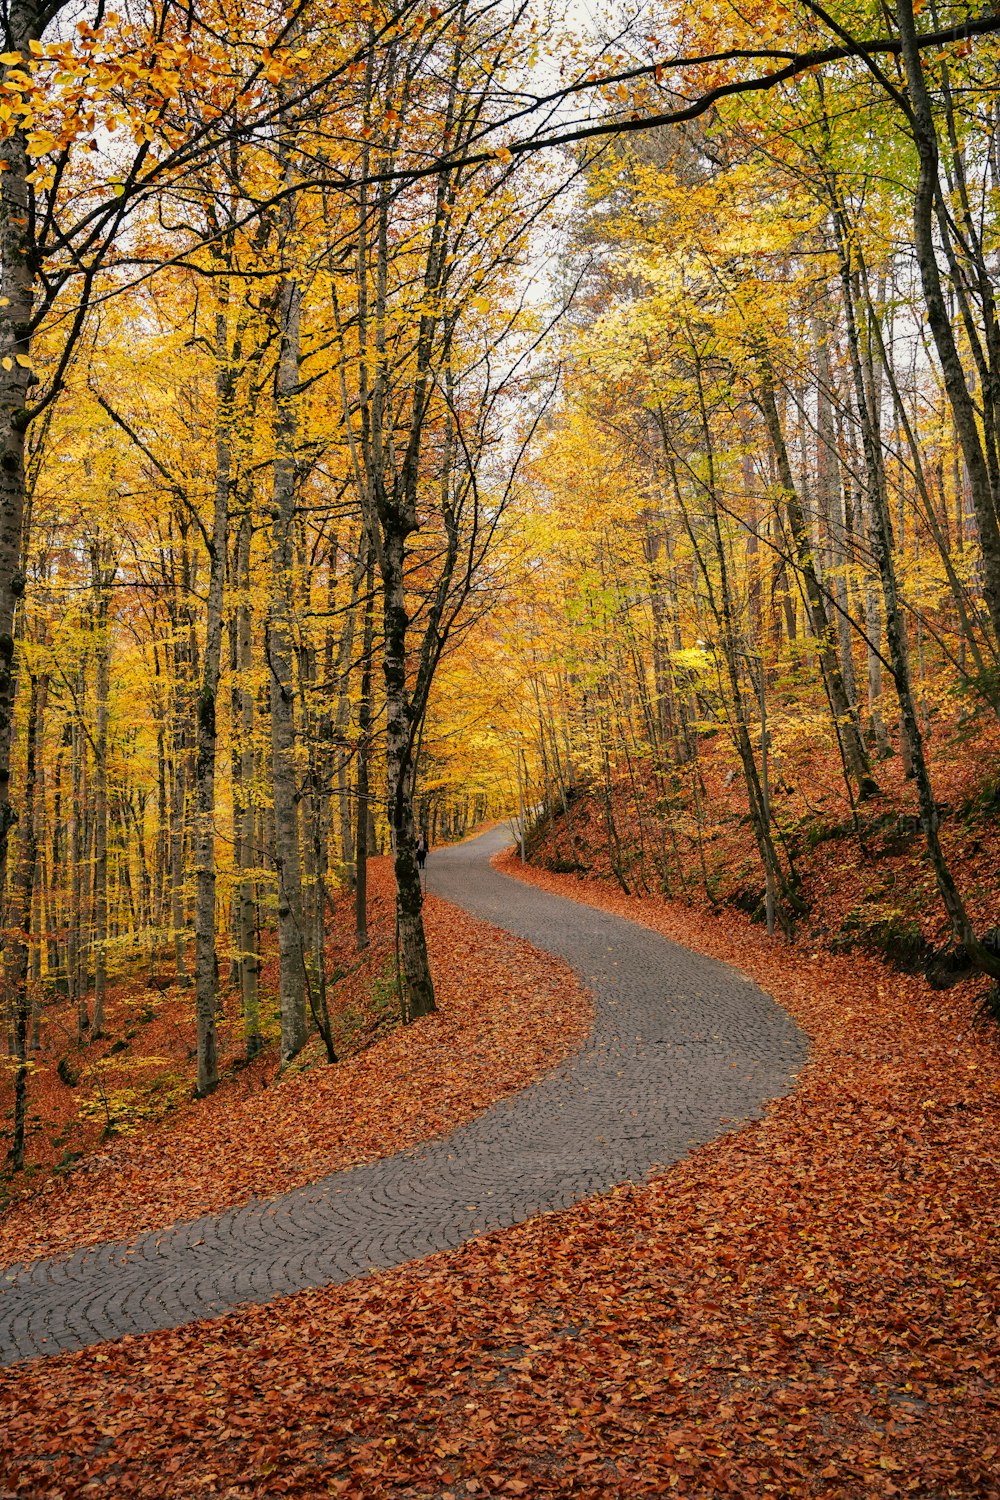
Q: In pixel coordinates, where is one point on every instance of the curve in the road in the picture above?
(681, 1046)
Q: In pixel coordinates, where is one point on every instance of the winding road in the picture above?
(682, 1047)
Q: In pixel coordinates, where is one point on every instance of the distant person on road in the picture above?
(421, 851)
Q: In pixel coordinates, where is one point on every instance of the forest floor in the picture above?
(807, 1306)
(506, 1014)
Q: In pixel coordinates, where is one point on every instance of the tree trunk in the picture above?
(177, 800)
(205, 967)
(287, 844)
(18, 273)
(419, 997)
(364, 756)
(243, 803)
(78, 988)
(102, 674)
(833, 505)
(19, 941)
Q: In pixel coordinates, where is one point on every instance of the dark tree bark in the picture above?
(364, 755)
(17, 955)
(206, 965)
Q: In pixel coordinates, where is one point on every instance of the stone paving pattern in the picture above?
(681, 1047)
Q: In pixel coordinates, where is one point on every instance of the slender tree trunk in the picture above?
(833, 504)
(161, 848)
(177, 802)
(873, 634)
(340, 672)
(205, 969)
(16, 379)
(58, 959)
(78, 989)
(19, 941)
(419, 998)
(364, 754)
(287, 843)
(236, 783)
(102, 675)
(243, 803)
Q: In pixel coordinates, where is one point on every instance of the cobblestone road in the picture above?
(681, 1046)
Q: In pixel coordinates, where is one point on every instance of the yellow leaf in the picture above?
(10, 57)
(7, 362)
(23, 361)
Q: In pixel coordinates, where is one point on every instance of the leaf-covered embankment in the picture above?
(864, 880)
